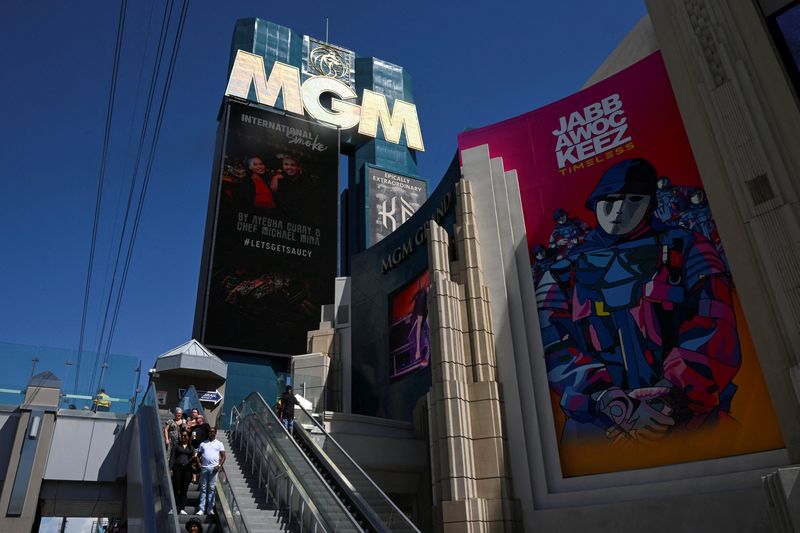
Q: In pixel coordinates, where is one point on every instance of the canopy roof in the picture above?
(192, 358)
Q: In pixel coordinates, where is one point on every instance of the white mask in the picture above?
(619, 214)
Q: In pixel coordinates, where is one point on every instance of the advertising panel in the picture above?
(409, 339)
(648, 355)
(273, 262)
(389, 285)
(391, 200)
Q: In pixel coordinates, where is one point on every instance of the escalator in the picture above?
(151, 502)
(309, 475)
(368, 502)
(260, 443)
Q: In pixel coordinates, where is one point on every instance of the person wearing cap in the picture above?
(697, 217)
(637, 322)
(541, 259)
(288, 401)
(568, 232)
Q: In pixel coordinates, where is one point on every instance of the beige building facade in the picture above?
(494, 456)
(740, 111)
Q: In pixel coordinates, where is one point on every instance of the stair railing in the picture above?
(148, 469)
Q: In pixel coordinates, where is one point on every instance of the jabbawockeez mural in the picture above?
(645, 342)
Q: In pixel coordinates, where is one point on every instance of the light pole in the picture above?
(68, 364)
(34, 361)
(136, 390)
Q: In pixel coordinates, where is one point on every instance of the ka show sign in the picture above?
(249, 71)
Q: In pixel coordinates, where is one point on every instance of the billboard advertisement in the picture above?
(409, 339)
(648, 355)
(391, 200)
(388, 309)
(273, 262)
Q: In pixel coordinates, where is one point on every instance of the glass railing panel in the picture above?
(362, 486)
(190, 400)
(10, 396)
(311, 386)
(118, 374)
(230, 507)
(160, 511)
(267, 435)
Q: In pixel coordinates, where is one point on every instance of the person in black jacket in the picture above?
(181, 458)
(287, 413)
(200, 431)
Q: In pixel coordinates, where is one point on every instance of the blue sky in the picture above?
(472, 63)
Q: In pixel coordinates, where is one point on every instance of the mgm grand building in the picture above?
(592, 323)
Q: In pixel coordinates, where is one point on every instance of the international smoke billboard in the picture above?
(391, 200)
(648, 354)
(273, 259)
(409, 338)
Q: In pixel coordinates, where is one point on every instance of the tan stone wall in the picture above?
(470, 475)
(742, 119)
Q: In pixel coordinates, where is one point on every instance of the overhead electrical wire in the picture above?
(134, 123)
(145, 183)
(165, 23)
(99, 196)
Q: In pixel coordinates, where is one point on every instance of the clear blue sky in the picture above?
(472, 63)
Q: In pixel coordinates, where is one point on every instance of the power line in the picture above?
(145, 183)
(101, 180)
(108, 282)
(165, 23)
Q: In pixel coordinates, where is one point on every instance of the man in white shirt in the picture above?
(212, 457)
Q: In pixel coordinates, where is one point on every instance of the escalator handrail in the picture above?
(148, 404)
(366, 510)
(265, 438)
(230, 512)
(328, 437)
(260, 436)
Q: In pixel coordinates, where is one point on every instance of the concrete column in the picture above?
(323, 363)
(454, 479)
(20, 493)
(470, 476)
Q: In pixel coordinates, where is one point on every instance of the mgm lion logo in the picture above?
(329, 62)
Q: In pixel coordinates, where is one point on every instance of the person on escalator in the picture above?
(191, 420)
(181, 458)
(287, 413)
(212, 456)
(200, 431)
(194, 526)
(173, 429)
